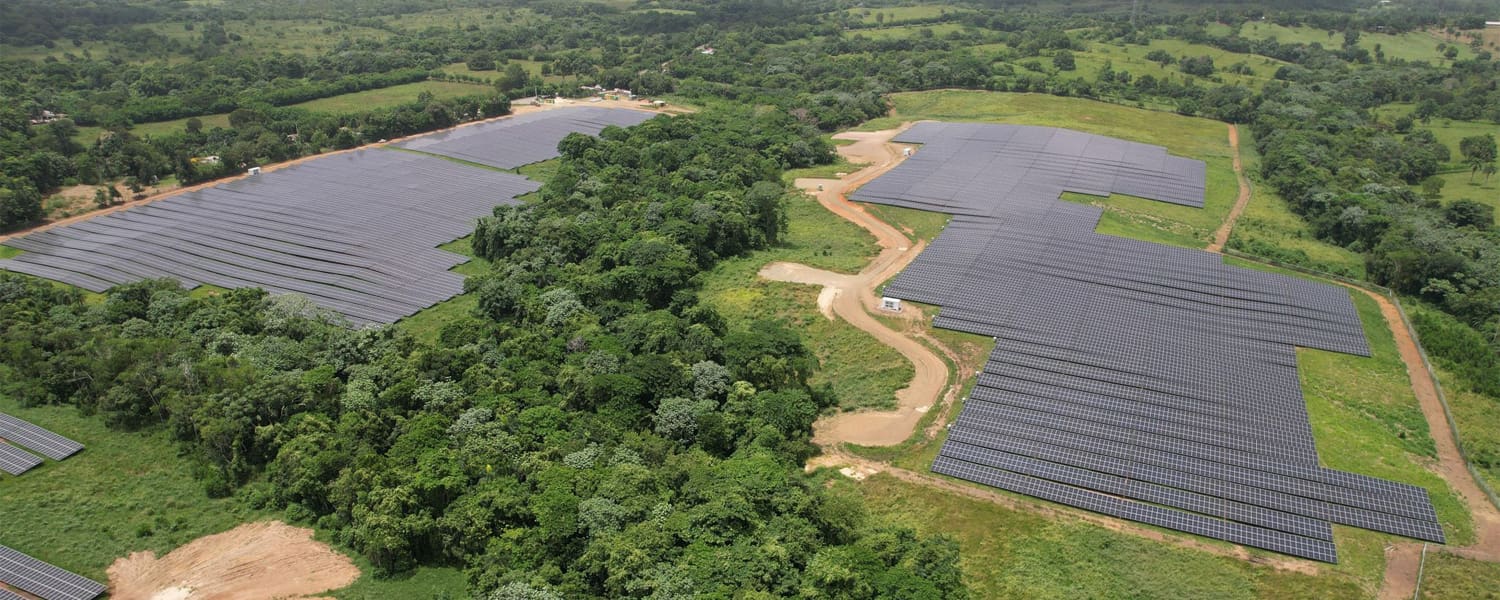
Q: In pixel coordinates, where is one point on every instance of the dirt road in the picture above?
(1403, 559)
(252, 561)
(852, 298)
(1221, 236)
(515, 111)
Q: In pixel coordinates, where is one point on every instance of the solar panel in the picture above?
(44, 580)
(1139, 380)
(46, 443)
(15, 461)
(8, 595)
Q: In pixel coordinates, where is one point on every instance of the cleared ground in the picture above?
(255, 560)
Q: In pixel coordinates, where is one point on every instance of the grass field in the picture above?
(863, 372)
(125, 492)
(459, 17)
(1124, 215)
(288, 36)
(1414, 46)
(896, 33)
(1448, 577)
(1449, 132)
(1009, 553)
(1133, 59)
(533, 67)
(391, 96)
(893, 15)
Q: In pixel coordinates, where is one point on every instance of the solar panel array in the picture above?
(9, 595)
(43, 580)
(525, 139)
(45, 442)
(1133, 379)
(355, 233)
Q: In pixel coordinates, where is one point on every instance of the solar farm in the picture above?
(356, 233)
(16, 461)
(1147, 382)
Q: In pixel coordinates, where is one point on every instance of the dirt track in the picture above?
(1221, 236)
(249, 562)
(515, 111)
(1403, 559)
(852, 297)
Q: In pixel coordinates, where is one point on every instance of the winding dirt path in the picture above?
(852, 298)
(1221, 236)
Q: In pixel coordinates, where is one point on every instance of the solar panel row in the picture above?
(16, 461)
(1136, 379)
(525, 139)
(45, 442)
(356, 232)
(44, 580)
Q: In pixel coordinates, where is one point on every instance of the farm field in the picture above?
(910, 31)
(533, 68)
(901, 14)
(1132, 58)
(1412, 46)
(391, 96)
(456, 18)
(1449, 132)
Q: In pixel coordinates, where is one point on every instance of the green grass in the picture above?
(864, 372)
(126, 492)
(392, 96)
(459, 17)
(1449, 132)
(1133, 59)
(1125, 216)
(207, 291)
(423, 582)
(895, 33)
(532, 67)
(305, 37)
(427, 325)
(1414, 46)
(1448, 577)
(1461, 186)
(179, 125)
(1009, 553)
(901, 14)
(920, 224)
(9, 252)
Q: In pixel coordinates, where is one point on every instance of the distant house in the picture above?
(1492, 23)
(204, 160)
(48, 117)
(705, 49)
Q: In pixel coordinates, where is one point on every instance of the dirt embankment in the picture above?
(250, 562)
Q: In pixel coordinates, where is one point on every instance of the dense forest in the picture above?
(594, 431)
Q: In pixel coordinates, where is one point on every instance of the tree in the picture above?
(1432, 187)
(194, 125)
(1064, 61)
(1468, 213)
(1202, 66)
(20, 205)
(1161, 57)
(1478, 151)
(514, 78)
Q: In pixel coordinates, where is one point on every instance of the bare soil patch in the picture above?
(252, 561)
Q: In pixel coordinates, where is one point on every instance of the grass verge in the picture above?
(126, 492)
